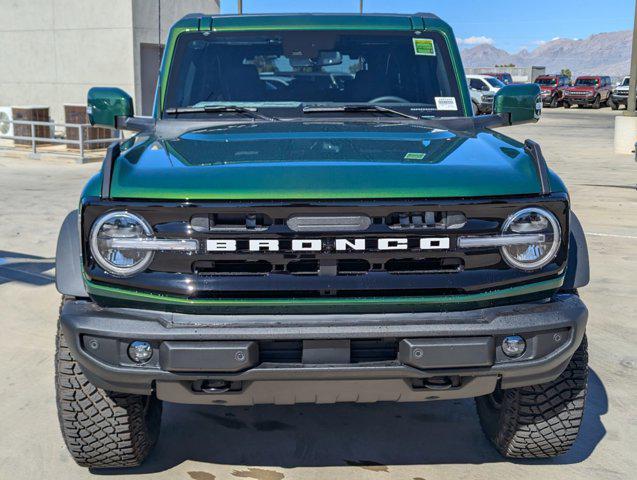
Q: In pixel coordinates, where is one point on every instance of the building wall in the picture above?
(146, 15)
(53, 51)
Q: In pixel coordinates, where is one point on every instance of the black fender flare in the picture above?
(68, 258)
(577, 267)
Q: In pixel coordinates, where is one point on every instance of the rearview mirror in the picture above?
(108, 107)
(520, 103)
(329, 58)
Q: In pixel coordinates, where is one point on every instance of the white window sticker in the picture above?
(446, 103)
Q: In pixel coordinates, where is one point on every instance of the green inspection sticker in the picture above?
(424, 46)
(414, 156)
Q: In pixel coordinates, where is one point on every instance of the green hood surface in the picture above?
(324, 160)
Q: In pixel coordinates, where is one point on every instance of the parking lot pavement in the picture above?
(403, 441)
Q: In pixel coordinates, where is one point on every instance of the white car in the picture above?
(483, 89)
(620, 95)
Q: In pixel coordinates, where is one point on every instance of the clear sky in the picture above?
(508, 24)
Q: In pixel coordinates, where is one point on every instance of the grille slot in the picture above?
(233, 267)
(365, 351)
(231, 222)
(303, 267)
(361, 351)
(422, 220)
(352, 267)
(280, 351)
(424, 265)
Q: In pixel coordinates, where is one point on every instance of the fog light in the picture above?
(513, 346)
(140, 352)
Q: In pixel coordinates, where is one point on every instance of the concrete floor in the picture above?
(404, 441)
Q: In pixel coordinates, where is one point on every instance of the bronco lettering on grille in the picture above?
(339, 244)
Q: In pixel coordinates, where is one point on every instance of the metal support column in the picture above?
(33, 142)
(632, 96)
(81, 140)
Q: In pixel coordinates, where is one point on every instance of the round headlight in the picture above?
(114, 226)
(543, 231)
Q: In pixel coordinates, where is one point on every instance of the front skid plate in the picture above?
(284, 392)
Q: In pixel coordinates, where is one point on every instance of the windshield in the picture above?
(626, 82)
(587, 82)
(281, 72)
(546, 81)
(494, 82)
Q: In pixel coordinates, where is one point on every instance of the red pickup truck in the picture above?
(589, 91)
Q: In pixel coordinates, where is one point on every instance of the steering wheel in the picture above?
(388, 99)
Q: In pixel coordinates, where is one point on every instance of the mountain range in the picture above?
(602, 54)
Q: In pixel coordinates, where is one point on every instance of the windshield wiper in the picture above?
(355, 109)
(221, 109)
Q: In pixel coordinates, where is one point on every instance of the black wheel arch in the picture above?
(68, 258)
(577, 267)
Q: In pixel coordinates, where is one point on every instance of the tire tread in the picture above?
(100, 428)
(539, 421)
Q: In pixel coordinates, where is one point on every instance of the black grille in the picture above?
(328, 272)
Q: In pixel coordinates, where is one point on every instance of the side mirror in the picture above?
(109, 107)
(519, 103)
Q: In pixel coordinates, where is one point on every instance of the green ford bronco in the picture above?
(314, 215)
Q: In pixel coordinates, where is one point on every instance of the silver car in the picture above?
(483, 89)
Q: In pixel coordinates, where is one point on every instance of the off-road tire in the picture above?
(540, 421)
(101, 429)
(475, 108)
(554, 101)
(566, 105)
(597, 103)
(612, 104)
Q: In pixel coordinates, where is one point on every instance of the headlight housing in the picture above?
(542, 232)
(112, 228)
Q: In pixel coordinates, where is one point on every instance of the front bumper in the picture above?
(579, 100)
(547, 98)
(217, 359)
(620, 99)
(486, 107)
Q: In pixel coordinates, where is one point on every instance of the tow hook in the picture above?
(214, 386)
(437, 383)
